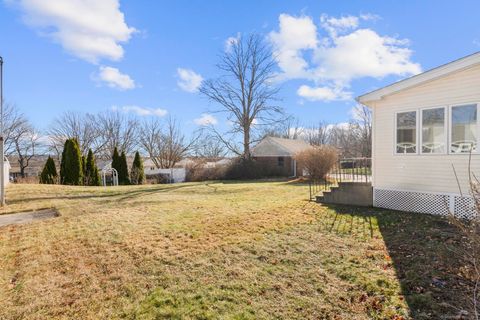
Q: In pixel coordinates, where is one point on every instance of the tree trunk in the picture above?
(246, 143)
(22, 166)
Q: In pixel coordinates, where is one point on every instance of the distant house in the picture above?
(279, 154)
(425, 133)
(35, 166)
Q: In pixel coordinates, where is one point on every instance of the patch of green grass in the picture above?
(242, 250)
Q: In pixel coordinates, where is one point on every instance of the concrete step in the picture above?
(350, 193)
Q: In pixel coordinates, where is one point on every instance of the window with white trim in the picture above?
(463, 128)
(433, 131)
(406, 135)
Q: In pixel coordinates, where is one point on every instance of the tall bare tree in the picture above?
(244, 91)
(165, 144)
(116, 130)
(74, 125)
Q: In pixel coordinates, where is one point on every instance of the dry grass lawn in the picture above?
(220, 251)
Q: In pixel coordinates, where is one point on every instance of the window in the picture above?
(406, 137)
(433, 130)
(463, 129)
(281, 161)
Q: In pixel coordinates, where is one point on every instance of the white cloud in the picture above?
(295, 36)
(334, 25)
(115, 79)
(231, 41)
(364, 53)
(206, 119)
(332, 59)
(141, 111)
(189, 81)
(322, 93)
(88, 29)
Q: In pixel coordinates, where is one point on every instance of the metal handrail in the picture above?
(345, 170)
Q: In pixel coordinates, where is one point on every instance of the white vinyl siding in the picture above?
(429, 172)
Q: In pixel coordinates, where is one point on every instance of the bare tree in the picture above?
(362, 120)
(208, 147)
(12, 118)
(23, 143)
(244, 92)
(116, 130)
(319, 134)
(344, 138)
(354, 139)
(74, 125)
(290, 128)
(165, 144)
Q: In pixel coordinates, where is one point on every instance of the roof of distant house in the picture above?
(278, 147)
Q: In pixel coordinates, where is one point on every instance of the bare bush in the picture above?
(317, 161)
(470, 252)
(198, 170)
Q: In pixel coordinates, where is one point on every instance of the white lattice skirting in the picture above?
(424, 202)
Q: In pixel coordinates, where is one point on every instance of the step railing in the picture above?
(345, 170)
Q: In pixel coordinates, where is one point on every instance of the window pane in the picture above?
(433, 130)
(464, 128)
(407, 132)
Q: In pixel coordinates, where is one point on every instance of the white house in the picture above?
(424, 128)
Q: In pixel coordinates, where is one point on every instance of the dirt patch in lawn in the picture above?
(28, 216)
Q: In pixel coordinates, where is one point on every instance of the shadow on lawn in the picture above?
(425, 252)
(119, 196)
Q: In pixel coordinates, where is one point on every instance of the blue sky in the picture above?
(148, 57)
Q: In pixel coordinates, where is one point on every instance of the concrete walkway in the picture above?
(24, 217)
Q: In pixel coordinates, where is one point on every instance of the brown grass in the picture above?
(194, 251)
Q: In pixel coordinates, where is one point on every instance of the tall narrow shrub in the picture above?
(137, 175)
(116, 162)
(49, 173)
(63, 159)
(71, 167)
(92, 177)
(123, 177)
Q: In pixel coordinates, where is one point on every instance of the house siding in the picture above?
(272, 164)
(417, 172)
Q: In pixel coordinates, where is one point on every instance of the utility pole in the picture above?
(2, 142)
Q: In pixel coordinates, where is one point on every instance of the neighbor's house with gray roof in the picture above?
(279, 155)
